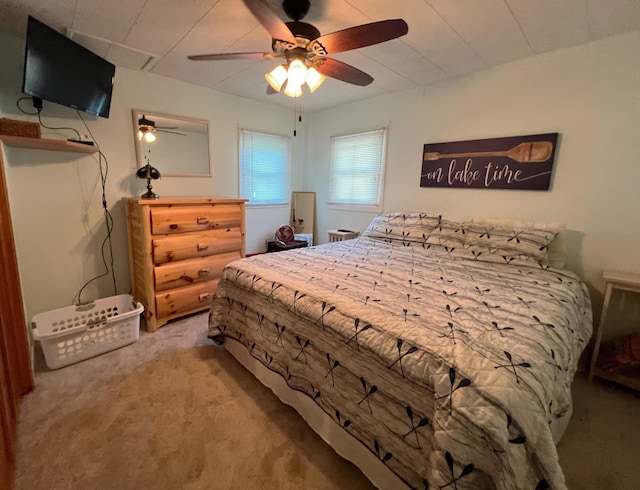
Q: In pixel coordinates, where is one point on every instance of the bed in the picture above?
(432, 353)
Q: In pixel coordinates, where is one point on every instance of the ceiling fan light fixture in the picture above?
(276, 77)
(293, 89)
(146, 133)
(314, 79)
(146, 128)
(297, 72)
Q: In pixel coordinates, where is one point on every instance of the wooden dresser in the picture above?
(177, 251)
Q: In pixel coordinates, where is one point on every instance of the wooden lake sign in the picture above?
(515, 162)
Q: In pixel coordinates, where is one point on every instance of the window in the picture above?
(357, 170)
(265, 162)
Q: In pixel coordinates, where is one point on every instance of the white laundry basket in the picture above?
(75, 333)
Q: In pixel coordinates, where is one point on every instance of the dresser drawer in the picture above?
(195, 218)
(188, 298)
(184, 273)
(194, 245)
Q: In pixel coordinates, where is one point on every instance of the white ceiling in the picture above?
(446, 38)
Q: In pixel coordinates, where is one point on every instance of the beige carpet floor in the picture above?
(174, 411)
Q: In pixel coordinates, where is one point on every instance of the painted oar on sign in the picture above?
(532, 152)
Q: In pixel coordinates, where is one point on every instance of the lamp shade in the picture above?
(148, 172)
(277, 77)
(297, 73)
(293, 89)
(314, 79)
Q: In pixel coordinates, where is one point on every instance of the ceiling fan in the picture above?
(147, 129)
(305, 51)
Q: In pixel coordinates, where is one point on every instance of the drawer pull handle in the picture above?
(202, 220)
(173, 226)
(203, 296)
(204, 271)
(202, 246)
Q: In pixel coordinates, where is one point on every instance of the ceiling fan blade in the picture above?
(270, 21)
(359, 36)
(231, 56)
(167, 131)
(342, 71)
(270, 90)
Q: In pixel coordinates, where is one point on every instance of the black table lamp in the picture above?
(150, 173)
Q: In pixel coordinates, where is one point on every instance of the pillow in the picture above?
(403, 227)
(554, 254)
(557, 254)
(485, 255)
(485, 239)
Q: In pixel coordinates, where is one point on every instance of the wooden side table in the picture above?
(623, 281)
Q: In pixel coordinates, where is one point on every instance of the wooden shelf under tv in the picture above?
(47, 144)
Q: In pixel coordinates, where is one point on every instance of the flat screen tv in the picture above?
(59, 70)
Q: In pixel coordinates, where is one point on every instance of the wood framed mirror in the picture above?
(177, 146)
(303, 213)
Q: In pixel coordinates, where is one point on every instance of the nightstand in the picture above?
(615, 281)
(341, 235)
(275, 246)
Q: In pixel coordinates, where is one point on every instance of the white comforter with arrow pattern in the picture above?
(450, 370)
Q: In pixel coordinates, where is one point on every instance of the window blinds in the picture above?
(264, 167)
(357, 162)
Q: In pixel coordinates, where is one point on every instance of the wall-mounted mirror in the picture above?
(177, 146)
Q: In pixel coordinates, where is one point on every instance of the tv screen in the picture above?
(59, 70)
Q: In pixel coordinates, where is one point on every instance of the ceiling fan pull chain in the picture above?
(297, 114)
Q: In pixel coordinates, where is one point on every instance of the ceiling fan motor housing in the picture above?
(144, 122)
(303, 32)
(296, 9)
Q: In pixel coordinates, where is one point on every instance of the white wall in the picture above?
(590, 95)
(55, 197)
